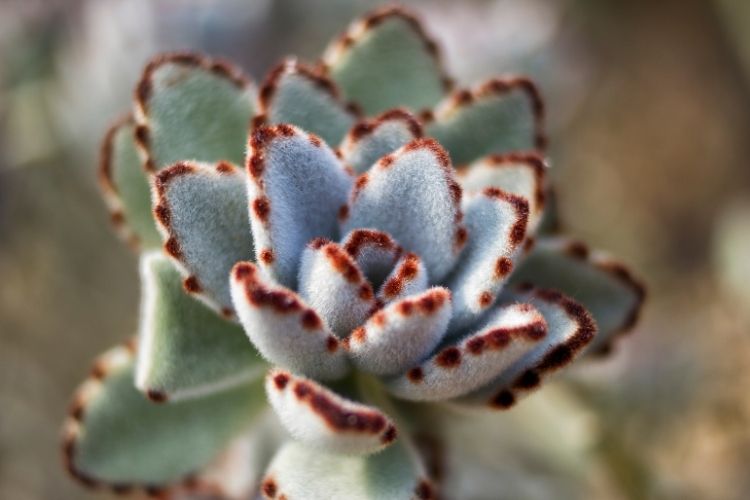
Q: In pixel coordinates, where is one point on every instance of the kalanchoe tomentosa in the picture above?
(369, 261)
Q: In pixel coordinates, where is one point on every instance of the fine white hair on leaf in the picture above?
(285, 330)
(401, 334)
(296, 188)
(318, 417)
(413, 196)
(332, 284)
(375, 252)
(507, 334)
(409, 277)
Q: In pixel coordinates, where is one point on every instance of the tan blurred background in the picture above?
(649, 115)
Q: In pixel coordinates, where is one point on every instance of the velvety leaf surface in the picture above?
(296, 94)
(369, 140)
(413, 196)
(324, 420)
(202, 214)
(332, 284)
(192, 108)
(115, 436)
(459, 367)
(296, 189)
(522, 174)
(401, 334)
(300, 471)
(125, 186)
(570, 328)
(604, 286)
(499, 116)
(185, 350)
(285, 330)
(386, 60)
(497, 224)
(375, 252)
(409, 277)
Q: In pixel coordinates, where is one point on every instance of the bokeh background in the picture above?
(649, 118)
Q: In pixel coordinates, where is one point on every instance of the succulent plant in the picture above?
(358, 274)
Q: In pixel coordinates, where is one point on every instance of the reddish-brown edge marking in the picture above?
(407, 271)
(269, 487)
(424, 490)
(365, 128)
(532, 160)
(426, 304)
(360, 239)
(520, 206)
(376, 17)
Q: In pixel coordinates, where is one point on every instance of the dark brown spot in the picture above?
(389, 435)
(255, 165)
(485, 299)
(342, 262)
(362, 238)
(163, 215)
(405, 308)
(386, 161)
(365, 292)
(406, 272)
(156, 396)
(503, 399)
(528, 380)
(332, 344)
(269, 487)
(224, 168)
(266, 256)
(280, 380)
(424, 491)
(359, 185)
(261, 208)
(335, 415)
(318, 243)
(311, 320)
(315, 140)
(462, 98)
(379, 319)
(243, 270)
(227, 312)
(416, 375)
(462, 236)
(434, 147)
(359, 334)
(191, 285)
(285, 130)
(577, 250)
(449, 357)
(503, 267)
(172, 247)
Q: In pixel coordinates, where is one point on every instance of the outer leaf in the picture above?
(332, 283)
(497, 223)
(369, 140)
(202, 214)
(413, 196)
(570, 329)
(604, 286)
(409, 277)
(386, 60)
(293, 93)
(300, 471)
(126, 188)
(508, 333)
(189, 107)
(499, 116)
(374, 251)
(116, 437)
(297, 187)
(284, 329)
(185, 350)
(324, 420)
(402, 334)
(522, 174)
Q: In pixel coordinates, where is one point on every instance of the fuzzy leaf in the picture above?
(412, 195)
(324, 420)
(497, 223)
(375, 252)
(402, 333)
(602, 285)
(522, 174)
(507, 334)
(332, 284)
(499, 116)
(409, 277)
(296, 94)
(570, 328)
(126, 187)
(283, 328)
(369, 140)
(115, 436)
(296, 187)
(201, 210)
(192, 108)
(386, 60)
(301, 471)
(185, 350)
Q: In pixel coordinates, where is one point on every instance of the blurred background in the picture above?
(649, 118)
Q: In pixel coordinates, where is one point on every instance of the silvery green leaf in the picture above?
(294, 93)
(369, 140)
(202, 214)
(114, 436)
(505, 336)
(297, 188)
(497, 224)
(185, 350)
(189, 107)
(285, 330)
(604, 286)
(570, 328)
(375, 252)
(331, 283)
(413, 196)
(409, 277)
(402, 334)
(386, 60)
(522, 174)
(125, 186)
(324, 420)
(301, 471)
(498, 116)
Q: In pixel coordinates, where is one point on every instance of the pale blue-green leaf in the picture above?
(375, 252)
(409, 277)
